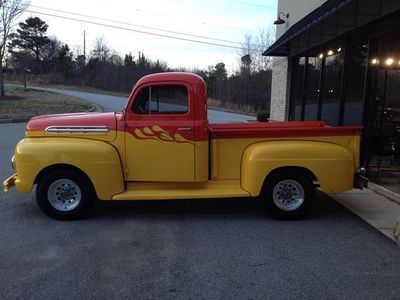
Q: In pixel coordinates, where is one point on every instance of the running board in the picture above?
(174, 190)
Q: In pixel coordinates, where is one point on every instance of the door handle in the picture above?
(185, 129)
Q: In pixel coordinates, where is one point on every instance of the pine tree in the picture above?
(31, 37)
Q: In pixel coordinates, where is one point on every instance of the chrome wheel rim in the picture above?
(64, 195)
(288, 195)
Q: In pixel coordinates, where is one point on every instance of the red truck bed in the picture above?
(279, 129)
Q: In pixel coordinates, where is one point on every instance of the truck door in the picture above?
(159, 134)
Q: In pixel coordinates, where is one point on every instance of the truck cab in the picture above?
(166, 130)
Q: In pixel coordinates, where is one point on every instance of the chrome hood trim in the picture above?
(77, 129)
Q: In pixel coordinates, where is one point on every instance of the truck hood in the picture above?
(101, 126)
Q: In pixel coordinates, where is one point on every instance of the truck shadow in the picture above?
(324, 207)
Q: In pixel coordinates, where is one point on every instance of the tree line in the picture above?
(31, 50)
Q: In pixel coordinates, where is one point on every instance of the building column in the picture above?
(280, 89)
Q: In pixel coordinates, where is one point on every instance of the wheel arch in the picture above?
(288, 169)
(60, 166)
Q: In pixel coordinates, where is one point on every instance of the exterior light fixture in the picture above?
(321, 55)
(339, 49)
(374, 61)
(330, 52)
(389, 61)
(279, 20)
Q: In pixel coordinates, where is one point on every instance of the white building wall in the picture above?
(297, 9)
(280, 82)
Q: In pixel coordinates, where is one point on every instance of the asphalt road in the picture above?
(188, 250)
(114, 103)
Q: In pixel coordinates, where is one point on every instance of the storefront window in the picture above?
(382, 121)
(332, 89)
(355, 82)
(326, 93)
(312, 88)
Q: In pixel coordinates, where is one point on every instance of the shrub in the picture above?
(263, 116)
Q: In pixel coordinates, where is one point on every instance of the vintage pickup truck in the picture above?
(161, 146)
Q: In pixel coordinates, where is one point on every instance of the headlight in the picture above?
(13, 162)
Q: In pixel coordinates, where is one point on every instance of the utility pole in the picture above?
(84, 44)
(84, 57)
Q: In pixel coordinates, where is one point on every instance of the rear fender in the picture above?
(97, 159)
(331, 164)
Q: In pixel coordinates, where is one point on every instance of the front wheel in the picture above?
(289, 195)
(65, 194)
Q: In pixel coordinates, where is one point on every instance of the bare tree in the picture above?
(78, 50)
(253, 47)
(115, 58)
(100, 51)
(10, 10)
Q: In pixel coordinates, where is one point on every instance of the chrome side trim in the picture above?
(77, 129)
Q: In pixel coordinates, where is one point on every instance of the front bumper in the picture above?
(9, 183)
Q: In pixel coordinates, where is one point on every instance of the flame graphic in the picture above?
(159, 134)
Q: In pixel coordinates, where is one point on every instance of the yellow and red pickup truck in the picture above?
(161, 146)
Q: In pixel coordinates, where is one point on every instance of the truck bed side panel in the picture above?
(230, 141)
(331, 164)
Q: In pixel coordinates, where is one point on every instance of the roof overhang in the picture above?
(328, 22)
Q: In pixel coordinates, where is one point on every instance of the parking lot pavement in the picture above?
(188, 249)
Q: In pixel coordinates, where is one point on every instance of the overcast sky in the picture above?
(226, 20)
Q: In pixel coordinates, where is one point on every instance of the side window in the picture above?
(162, 99)
(141, 103)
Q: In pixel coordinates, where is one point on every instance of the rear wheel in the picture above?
(289, 195)
(65, 194)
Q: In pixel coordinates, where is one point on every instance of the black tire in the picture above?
(65, 194)
(288, 195)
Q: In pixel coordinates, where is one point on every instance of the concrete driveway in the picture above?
(188, 250)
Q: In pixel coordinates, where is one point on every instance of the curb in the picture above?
(17, 120)
(396, 232)
(94, 108)
(392, 196)
(227, 110)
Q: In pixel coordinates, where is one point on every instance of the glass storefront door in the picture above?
(381, 138)
(385, 120)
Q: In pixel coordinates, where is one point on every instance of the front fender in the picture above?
(332, 164)
(97, 159)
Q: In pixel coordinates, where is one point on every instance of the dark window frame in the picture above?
(150, 101)
(294, 72)
(343, 84)
(321, 88)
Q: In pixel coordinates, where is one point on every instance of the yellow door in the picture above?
(159, 135)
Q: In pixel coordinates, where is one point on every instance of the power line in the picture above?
(193, 21)
(250, 4)
(135, 25)
(138, 31)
